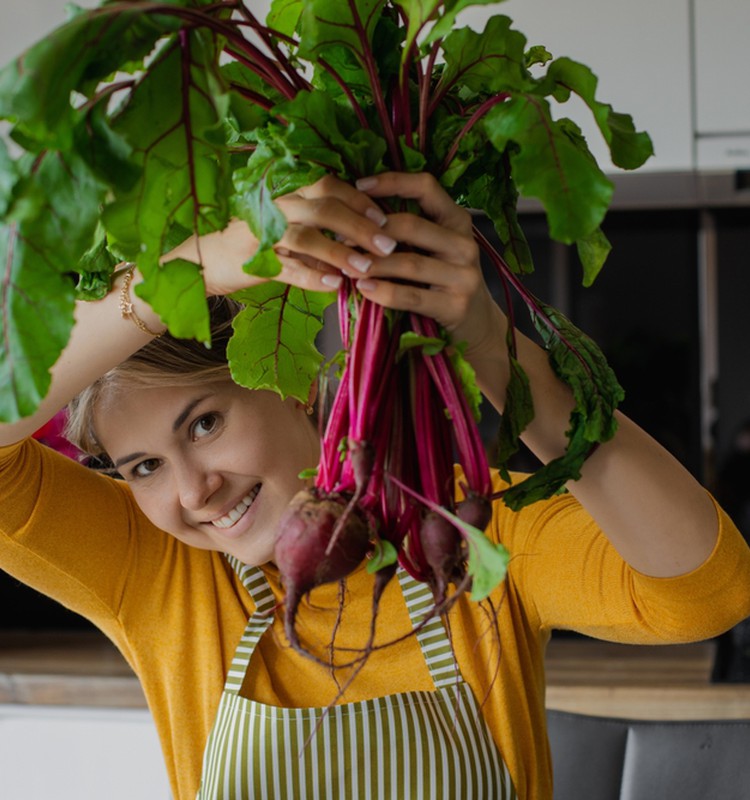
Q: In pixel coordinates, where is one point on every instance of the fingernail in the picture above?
(384, 243)
(359, 262)
(334, 281)
(377, 216)
(363, 184)
(366, 285)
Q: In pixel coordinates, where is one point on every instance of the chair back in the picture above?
(603, 758)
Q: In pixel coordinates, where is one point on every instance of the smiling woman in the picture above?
(174, 557)
(208, 461)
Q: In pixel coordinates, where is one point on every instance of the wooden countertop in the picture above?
(666, 682)
(65, 668)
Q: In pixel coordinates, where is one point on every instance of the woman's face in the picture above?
(213, 465)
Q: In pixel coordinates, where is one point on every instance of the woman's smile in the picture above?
(230, 519)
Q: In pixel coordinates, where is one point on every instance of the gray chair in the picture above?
(601, 758)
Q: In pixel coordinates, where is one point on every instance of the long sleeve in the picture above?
(65, 530)
(571, 577)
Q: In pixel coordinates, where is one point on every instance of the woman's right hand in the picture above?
(331, 228)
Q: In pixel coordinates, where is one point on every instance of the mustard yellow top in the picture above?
(177, 613)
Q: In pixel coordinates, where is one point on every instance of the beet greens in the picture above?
(141, 123)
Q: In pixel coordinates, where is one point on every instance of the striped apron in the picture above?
(416, 745)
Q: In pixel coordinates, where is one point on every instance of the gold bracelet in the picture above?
(126, 304)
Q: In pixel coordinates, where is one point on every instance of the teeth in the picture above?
(229, 519)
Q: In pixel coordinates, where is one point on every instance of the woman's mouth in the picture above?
(232, 517)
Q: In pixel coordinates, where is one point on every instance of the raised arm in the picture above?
(102, 338)
(655, 513)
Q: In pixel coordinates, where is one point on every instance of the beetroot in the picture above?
(301, 548)
(476, 510)
(443, 551)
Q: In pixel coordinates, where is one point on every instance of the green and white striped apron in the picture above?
(416, 745)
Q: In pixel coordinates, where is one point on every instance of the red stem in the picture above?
(471, 122)
(371, 68)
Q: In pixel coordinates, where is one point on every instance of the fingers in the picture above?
(436, 269)
(330, 205)
(434, 201)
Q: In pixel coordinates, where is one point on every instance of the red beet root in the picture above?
(442, 547)
(305, 532)
(476, 510)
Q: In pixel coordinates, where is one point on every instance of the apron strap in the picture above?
(256, 584)
(432, 637)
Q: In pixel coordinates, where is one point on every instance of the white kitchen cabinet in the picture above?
(722, 84)
(63, 753)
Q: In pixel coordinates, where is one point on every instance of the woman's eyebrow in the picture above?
(185, 413)
(125, 459)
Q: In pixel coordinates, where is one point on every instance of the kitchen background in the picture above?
(669, 307)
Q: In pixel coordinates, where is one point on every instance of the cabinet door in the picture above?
(722, 83)
(640, 52)
(80, 754)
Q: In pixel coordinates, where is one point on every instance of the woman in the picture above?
(637, 552)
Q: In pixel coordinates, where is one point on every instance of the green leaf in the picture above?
(488, 562)
(253, 202)
(349, 70)
(488, 62)
(246, 115)
(552, 163)
(577, 361)
(494, 192)
(383, 555)
(176, 292)
(58, 206)
(314, 132)
(331, 22)
(447, 20)
(409, 340)
(95, 269)
(537, 55)
(593, 251)
(272, 347)
(106, 152)
(629, 148)
(550, 479)
(174, 123)
(417, 13)
(467, 379)
(284, 16)
(37, 304)
(55, 221)
(414, 160)
(517, 414)
(8, 178)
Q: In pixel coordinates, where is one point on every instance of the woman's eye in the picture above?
(205, 425)
(146, 468)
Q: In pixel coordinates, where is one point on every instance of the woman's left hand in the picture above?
(439, 258)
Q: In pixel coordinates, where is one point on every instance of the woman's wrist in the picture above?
(134, 310)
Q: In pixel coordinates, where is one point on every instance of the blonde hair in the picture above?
(165, 361)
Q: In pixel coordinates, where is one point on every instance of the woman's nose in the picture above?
(196, 487)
